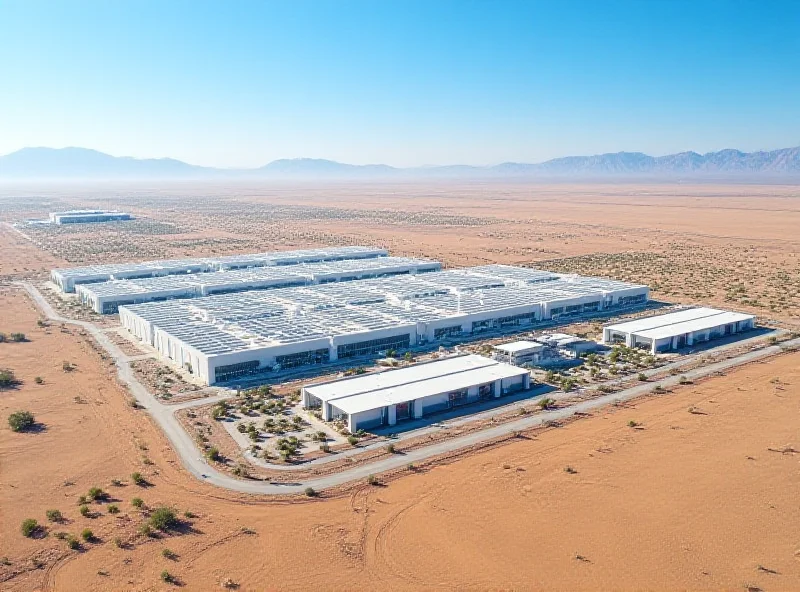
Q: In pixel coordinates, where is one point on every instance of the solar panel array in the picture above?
(239, 321)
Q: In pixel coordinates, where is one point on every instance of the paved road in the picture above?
(197, 465)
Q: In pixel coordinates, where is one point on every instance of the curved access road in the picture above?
(196, 464)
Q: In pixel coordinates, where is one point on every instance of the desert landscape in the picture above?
(689, 489)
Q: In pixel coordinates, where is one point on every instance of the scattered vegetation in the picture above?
(55, 516)
(30, 527)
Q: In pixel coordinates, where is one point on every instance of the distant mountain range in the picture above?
(82, 163)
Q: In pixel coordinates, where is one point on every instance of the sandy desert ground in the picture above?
(701, 501)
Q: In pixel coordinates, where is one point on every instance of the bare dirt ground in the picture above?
(703, 500)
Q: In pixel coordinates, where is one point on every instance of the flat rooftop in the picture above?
(223, 262)
(297, 274)
(679, 322)
(516, 347)
(243, 320)
(415, 382)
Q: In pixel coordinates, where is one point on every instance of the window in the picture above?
(630, 300)
(456, 398)
(373, 346)
(317, 356)
(444, 332)
(222, 373)
(527, 317)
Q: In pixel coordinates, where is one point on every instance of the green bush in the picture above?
(7, 378)
(87, 535)
(390, 449)
(113, 509)
(95, 493)
(642, 377)
(20, 421)
(163, 518)
(137, 502)
(84, 511)
(168, 553)
(167, 577)
(138, 479)
(309, 491)
(17, 337)
(73, 543)
(38, 380)
(372, 480)
(29, 527)
(352, 440)
(54, 516)
(213, 454)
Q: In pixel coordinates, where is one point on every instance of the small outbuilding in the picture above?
(519, 352)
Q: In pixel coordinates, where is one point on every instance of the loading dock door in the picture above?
(486, 391)
(404, 410)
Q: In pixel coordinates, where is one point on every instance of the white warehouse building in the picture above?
(66, 279)
(84, 216)
(677, 329)
(107, 297)
(220, 338)
(391, 396)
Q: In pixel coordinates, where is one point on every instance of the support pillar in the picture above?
(392, 416)
(498, 388)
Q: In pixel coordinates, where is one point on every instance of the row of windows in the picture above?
(373, 346)
(317, 356)
(223, 373)
(628, 300)
(443, 332)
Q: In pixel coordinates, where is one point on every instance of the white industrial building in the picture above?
(519, 352)
(83, 216)
(391, 396)
(677, 329)
(107, 297)
(66, 279)
(219, 338)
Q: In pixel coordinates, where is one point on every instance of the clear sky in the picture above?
(235, 83)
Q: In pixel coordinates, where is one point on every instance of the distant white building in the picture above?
(84, 216)
(677, 329)
(386, 398)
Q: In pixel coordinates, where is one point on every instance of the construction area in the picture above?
(224, 337)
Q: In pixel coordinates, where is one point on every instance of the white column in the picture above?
(526, 381)
(392, 418)
(418, 408)
(498, 388)
(326, 411)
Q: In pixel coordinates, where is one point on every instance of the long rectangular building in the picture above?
(219, 338)
(84, 216)
(677, 329)
(66, 279)
(391, 396)
(107, 297)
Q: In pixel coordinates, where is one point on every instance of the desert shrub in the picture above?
(390, 449)
(95, 493)
(7, 378)
(20, 421)
(145, 530)
(54, 515)
(137, 502)
(642, 377)
(352, 440)
(87, 535)
(29, 527)
(113, 509)
(163, 518)
(84, 510)
(633, 424)
(372, 480)
(168, 553)
(138, 479)
(72, 542)
(188, 514)
(118, 543)
(213, 454)
(38, 380)
(167, 577)
(546, 403)
(17, 337)
(67, 366)
(309, 491)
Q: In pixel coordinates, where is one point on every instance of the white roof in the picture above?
(671, 318)
(381, 380)
(701, 324)
(419, 389)
(516, 347)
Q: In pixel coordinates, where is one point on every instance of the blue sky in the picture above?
(237, 83)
